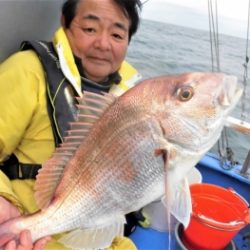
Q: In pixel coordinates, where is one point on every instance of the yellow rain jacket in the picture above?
(25, 127)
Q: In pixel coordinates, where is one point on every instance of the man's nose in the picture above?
(103, 41)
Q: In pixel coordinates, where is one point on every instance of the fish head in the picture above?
(192, 108)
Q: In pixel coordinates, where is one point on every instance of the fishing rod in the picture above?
(245, 74)
(145, 2)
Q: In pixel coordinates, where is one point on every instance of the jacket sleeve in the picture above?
(121, 243)
(17, 102)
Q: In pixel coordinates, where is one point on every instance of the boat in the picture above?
(16, 26)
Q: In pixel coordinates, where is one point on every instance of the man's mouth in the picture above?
(98, 59)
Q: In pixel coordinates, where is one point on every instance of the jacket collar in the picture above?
(66, 59)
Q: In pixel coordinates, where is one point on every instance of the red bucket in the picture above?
(218, 215)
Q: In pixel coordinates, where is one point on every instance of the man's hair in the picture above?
(130, 8)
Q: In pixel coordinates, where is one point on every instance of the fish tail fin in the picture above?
(94, 238)
(8, 231)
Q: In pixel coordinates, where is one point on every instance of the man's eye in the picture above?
(89, 30)
(118, 36)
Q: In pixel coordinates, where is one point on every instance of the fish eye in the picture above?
(185, 93)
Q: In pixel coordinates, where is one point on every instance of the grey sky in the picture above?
(232, 14)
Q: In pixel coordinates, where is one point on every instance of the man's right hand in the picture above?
(8, 211)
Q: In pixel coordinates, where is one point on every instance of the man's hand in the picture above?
(25, 242)
(8, 211)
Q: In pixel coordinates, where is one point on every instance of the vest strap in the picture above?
(16, 170)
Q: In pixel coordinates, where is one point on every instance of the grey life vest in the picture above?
(60, 94)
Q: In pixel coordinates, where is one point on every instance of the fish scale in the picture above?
(133, 151)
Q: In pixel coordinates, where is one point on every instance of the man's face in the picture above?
(99, 36)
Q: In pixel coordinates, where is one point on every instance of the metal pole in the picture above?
(246, 165)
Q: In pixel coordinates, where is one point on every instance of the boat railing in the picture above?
(242, 127)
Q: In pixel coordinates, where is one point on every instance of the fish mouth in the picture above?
(232, 91)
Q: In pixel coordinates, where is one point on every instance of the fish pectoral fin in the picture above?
(94, 238)
(180, 205)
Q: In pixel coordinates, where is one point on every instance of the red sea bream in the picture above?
(125, 152)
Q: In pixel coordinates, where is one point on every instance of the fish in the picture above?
(125, 152)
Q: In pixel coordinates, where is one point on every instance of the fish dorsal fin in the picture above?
(91, 107)
(96, 238)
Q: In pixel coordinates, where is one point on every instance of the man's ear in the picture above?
(62, 21)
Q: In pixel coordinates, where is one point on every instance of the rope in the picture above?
(210, 32)
(214, 36)
(225, 152)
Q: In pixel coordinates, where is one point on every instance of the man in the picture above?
(38, 86)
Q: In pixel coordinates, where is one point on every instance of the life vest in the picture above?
(60, 93)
